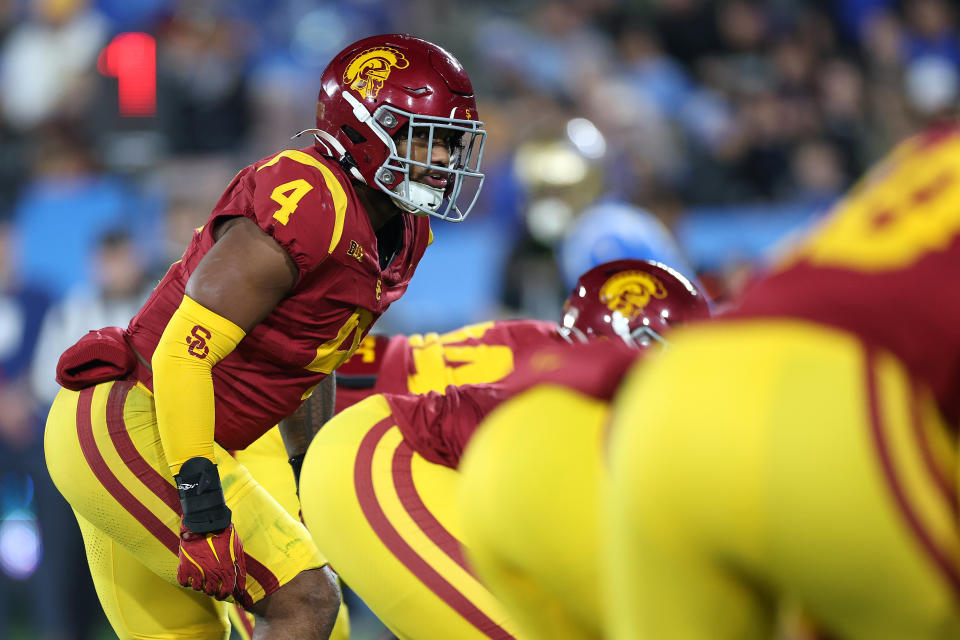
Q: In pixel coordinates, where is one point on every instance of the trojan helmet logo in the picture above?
(367, 72)
(630, 291)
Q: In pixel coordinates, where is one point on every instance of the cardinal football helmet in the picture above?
(389, 84)
(637, 301)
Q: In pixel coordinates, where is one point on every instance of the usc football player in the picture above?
(804, 446)
(300, 256)
(379, 487)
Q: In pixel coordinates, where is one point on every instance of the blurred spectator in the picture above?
(844, 116)
(45, 59)
(659, 77)
(67, 205)
(932, 30)
(561, 172)
(22, 309)
(190, 186)
(552, 52)
(132, 16)
(32, 557)
(742, 65)
(687, 28)
(884, 47)
(118, 289)
(932, 86)
(13, 155)
(203, 104)
(817, 173)
(884, 53)
(855, 15)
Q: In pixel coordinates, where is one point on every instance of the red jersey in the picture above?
(884, 265)
(306, 203)
(357, 377)
(439, 426)
(479, 353)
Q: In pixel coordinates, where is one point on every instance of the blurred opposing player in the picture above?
(303, 252)
(530, 479)
(385, 470)
(805, 446)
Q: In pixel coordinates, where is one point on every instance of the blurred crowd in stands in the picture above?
(612, 125)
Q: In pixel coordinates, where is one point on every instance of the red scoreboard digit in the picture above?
(131, 58)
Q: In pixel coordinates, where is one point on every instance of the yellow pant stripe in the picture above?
(929, 517)
(387, 515)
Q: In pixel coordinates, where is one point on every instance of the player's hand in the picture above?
(213, 563)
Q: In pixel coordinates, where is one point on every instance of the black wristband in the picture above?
(201, 496)
(296, 463)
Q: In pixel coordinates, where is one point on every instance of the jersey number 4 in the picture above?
(330, 355)
(288, 196)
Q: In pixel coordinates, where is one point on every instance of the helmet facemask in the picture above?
(418, 198)
(393, 176)
(642, 337)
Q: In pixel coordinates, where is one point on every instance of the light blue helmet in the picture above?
(616, 230)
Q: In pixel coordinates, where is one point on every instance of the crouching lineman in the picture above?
(392, 488)
(816, 457)
(531, 478)
(303, 252)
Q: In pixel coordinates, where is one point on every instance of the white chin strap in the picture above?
(420, 197)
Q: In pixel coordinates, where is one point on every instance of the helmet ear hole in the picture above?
(353, 134)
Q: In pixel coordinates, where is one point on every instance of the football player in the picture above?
(386, 470)
(805, 446)
(303, 252)
(530, 479)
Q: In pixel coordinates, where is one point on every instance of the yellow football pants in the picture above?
(386, 519)
(104, 455)
(763, 460)
(529, 499)
(267, 461)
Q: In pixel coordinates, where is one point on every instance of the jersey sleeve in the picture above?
(301, 204)
(439, 426)
(594, 369)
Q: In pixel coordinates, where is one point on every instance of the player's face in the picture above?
(445, 145)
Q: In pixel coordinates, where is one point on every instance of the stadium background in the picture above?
(732, 123)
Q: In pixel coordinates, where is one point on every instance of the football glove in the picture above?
(212, 563)
(211, 556)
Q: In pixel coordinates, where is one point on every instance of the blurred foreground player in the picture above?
(531, 478)
(303, 252)
(805, 447)
(386, 470)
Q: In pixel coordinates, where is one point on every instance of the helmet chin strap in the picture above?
(420, 197)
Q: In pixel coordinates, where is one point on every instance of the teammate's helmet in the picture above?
(389, 84)
(634, 300)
